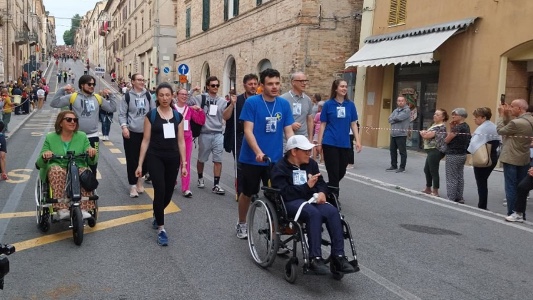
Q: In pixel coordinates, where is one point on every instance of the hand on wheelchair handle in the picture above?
(91, 152)
(48, 154)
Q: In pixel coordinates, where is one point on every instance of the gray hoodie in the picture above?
(399, 120)
(86, 108)
(132, 115)
(214, 123)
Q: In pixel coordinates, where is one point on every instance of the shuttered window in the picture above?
(205, 15)
(397, 12)
(231, 9)
(188, 23)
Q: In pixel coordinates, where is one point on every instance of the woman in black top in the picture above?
(163, 146)
(457, 140)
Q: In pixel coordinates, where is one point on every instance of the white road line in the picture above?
(388, 284)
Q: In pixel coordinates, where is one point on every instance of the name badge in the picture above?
(299, 177)
(271, 124)
(213, 110)
(296, 109)
(89, 105)
(168, 131)
(341, 112)
(139, 102)
(186, 125)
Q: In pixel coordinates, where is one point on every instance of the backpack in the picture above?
(153, 111)
(75, 94)
(127, 98)
(196, 128)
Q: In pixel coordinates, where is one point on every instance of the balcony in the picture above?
(21, 37)
(33, 38)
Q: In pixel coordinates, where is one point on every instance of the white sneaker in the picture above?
(133, 192)
(242, 230)
(63, 214)
(85, 214)
(515, 217)
(201, 183)
(187, 194)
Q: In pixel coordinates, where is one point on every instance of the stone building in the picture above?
(232, 38)
(441, 54)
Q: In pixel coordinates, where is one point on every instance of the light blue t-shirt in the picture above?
(268, 134)
(337, 132)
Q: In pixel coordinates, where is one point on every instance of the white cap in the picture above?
(298, 141)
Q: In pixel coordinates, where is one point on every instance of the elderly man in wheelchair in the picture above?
(298, 179)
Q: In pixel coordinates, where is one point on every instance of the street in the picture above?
(409, 246)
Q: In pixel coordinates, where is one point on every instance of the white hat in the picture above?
(298, 141)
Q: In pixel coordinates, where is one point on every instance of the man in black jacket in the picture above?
(298, 178)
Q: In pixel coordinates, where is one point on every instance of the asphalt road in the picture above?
(409, 246)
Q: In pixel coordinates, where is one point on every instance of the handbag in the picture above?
(88, 181)
(481, 157)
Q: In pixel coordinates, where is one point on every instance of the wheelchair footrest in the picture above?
(355, 265)
(93, 197)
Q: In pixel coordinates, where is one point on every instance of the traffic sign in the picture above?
(156, 70)
(99, 71)
(166, 70)
(183, 79)
(183, 69)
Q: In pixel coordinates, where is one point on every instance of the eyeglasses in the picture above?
(301, 80)
(71, 120)
(91, 84)
(214, 85)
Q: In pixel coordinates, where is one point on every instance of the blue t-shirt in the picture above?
(270, 141)
(337, 132)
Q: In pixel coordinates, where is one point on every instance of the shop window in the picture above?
(205, 15)
(397, 12)
(188, 23)
(231, 9)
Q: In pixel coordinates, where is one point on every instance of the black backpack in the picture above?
(195, 127)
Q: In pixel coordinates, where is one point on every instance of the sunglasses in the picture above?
(214, 85)
(91, 84)
(71, 120)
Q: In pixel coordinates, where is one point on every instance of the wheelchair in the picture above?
(44, 200)
(270, 227)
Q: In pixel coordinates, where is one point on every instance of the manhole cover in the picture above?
(428, 229)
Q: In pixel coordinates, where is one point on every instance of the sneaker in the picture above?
(242, 230)
(85, 214)
(318, 267)
(147, 178)
(282, 250)
(201, 183)
(218, 190)
(515, 217)
(187, 194)
(391, 169)
(461, 201)
(341, 264)
(400, 170)
(162, 238)
(133, 192)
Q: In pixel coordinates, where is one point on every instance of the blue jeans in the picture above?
(106, 124)
(513, 175)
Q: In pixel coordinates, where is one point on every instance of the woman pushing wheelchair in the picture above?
(66, 137)
(298, 178)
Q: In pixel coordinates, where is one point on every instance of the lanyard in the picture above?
(273, 108)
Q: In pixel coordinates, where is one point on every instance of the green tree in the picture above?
(68, 36)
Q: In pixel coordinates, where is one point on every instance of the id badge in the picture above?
(139, 102)
(299, 177)
(296, 109)
(271, 124)
(168, 131)
(90, 105)
(341, 112)
(213, 110)
(186, 125)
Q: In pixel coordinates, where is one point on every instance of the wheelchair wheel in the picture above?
(290, 270)
(263, 239)
(77, 225)
(42, 214)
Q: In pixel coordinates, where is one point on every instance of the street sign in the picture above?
(166, 70)
(183, 79)
(99, 71)
(183, 69)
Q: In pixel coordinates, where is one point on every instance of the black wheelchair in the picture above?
(44, 200)
(270, 227)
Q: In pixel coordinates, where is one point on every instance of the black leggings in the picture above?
(132, 148)
(163, 172)
(95, 143)
(336, 161)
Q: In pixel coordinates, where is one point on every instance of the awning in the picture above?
(405, 47)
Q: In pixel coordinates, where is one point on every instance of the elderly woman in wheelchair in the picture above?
(64, 140)
(298, 179)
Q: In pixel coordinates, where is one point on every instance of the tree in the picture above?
(68, 36)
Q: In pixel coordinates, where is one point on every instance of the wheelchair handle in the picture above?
(69, 156)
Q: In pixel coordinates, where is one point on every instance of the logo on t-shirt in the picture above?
(278, 116)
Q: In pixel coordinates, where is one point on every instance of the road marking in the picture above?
(17, 174)
(122, 160)
(108, 144)
(115, 150)
(98, 175)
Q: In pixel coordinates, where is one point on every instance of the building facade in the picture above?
(439, 56)
(232, 38)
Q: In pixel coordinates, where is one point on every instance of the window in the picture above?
(142, 24)
(259, 2)
(136, 32)
(231, 9)
(205, 15)
(397, 12)
(188, 23)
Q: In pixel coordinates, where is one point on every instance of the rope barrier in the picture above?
(15, 106)
(367, 130)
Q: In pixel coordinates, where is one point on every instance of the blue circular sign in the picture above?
(183, 69)
(166, 70)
